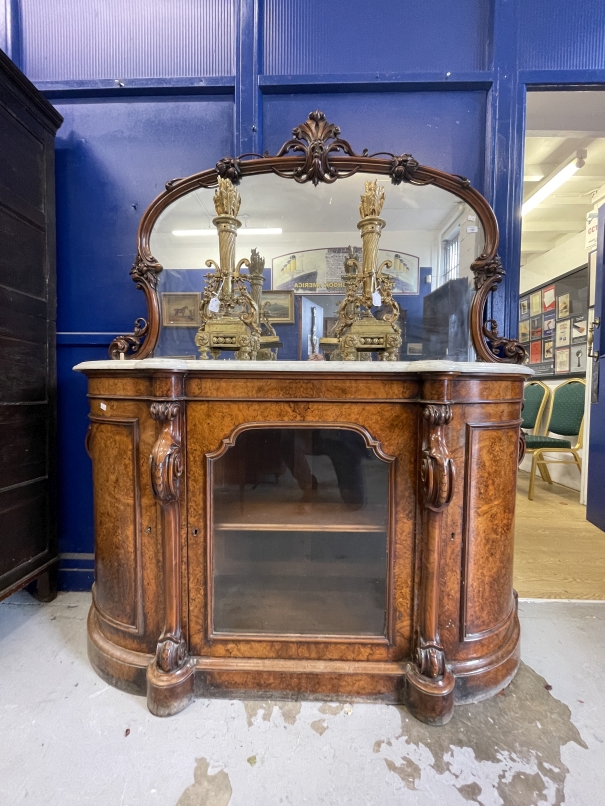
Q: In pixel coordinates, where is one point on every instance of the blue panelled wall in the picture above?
(154, 89)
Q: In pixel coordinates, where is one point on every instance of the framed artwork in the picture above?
(524, 331)
(414, 348)
(547, 350)
(280, 310)
(535, 303)
(563, 333)
(549, 324)
(535, 352)
(563, 306)
(536, 327)
(562, 360)
(548, 298)
(524, 308)
(579, 328)
(181, 309)
(578, 358)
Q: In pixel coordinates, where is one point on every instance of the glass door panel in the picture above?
(300, 534)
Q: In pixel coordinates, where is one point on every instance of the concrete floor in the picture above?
(68, 738)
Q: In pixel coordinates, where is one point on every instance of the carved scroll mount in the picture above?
(171, 653)
(166, 459)
(129, 344)
(430, 660)
(437, 469)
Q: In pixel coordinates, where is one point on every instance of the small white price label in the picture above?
(472, 229)
(376, 299)
(214, 305)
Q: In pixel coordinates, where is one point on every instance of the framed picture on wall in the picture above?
(549, 324)
(181, 309)
(280, 310)
(562, 360)
(524, 331)
(524, 308)
(535, 303)
(579, 328)
(563, 306)
(547, 350)
(536, 327)
(563, 333)
(578, 358)
(548, 298)
(535, 352)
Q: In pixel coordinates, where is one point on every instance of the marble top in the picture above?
(389, 367)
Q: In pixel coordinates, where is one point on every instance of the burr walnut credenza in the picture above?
(305, 529)
(305, 454)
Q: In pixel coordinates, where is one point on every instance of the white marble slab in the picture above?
(387, 367)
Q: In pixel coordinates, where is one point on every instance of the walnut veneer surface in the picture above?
(450, 436)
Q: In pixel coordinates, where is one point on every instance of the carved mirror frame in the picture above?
(317, 153)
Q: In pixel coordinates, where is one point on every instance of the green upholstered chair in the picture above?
(566, 418)
(535, 398)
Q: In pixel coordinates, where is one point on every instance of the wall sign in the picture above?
(319, 271)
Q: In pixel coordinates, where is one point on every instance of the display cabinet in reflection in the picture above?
(299, 533)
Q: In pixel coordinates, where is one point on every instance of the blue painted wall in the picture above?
(154, 90)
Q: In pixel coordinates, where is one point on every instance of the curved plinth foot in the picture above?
(169, 692)
(430, 700)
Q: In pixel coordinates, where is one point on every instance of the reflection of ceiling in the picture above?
(269, 201)
(558, 124)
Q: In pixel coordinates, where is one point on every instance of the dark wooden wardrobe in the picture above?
(28, 539)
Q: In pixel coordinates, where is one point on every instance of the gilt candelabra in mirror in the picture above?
(358, 332)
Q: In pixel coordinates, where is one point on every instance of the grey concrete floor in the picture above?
(68, 738)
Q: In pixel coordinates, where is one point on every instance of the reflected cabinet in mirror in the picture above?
(318, 253)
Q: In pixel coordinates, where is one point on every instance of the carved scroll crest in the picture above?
(316, 139)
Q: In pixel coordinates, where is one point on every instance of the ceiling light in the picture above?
(196, 233)
(555, 181)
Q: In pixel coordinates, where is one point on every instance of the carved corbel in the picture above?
(430, 682)
(170, 674)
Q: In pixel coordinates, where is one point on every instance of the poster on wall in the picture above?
(578, 358)
(548, 298)
(549, 324)
(547, 350)
(563, 306)
(562, 360)
(319, 271)
(535, 303)
(563, 333)
(536, 327)
(524, 331)
(579, 329)
(524, 308)
(535, 352)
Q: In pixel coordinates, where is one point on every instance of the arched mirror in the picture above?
(318, 253)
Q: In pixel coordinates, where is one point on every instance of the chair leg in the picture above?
(532, 476)
(577, 460)
(543, 468)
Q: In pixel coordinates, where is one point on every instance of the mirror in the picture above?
(333, 255)
(430, 237)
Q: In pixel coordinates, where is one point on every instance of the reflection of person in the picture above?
(345, 450)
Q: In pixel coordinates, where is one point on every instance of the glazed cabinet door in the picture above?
(297, 520)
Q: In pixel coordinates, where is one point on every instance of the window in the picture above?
(451, 257)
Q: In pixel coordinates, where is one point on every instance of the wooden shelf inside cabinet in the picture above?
(341, 528)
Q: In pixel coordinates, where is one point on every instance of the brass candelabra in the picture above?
(358, 333)
(230, 315)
